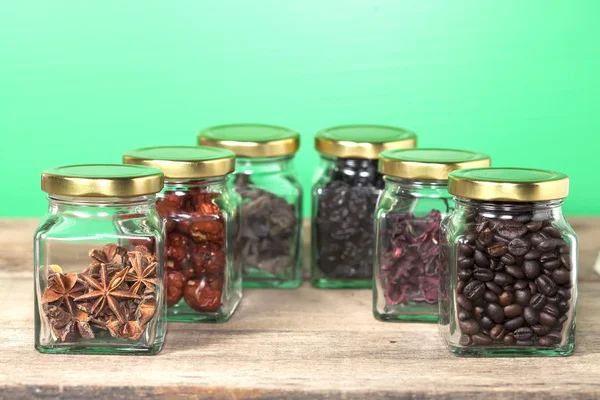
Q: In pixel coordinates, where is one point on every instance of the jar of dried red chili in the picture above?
(99, 262)
(407, 229)
(203, 279)
(266, 179)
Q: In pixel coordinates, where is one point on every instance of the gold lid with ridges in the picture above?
(429, 164)
(509, 184)
(102, 180)
(184, 162)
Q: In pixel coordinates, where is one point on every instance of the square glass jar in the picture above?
(99, 262)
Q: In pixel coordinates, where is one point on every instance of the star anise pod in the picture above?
(63, 289)
(61, 323)
(146, 310)
(107, 292)
(151, 257)
(113, 255)
(82, 320)
(142, 274)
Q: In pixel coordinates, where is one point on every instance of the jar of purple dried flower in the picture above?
(407, 223)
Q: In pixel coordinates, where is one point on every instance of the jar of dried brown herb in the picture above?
(407, 224)
(99, 265)
(203, 278)
(347, 185)
(271, 223)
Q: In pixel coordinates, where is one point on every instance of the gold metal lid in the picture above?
(184, 162)
(252, 140)
(362, 141)
(429, 164)
(508, 184)
(102, 180)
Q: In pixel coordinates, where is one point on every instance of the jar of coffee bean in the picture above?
(271, 217)
(407, 226)
(509, 265)
(345, 194)
(203, 276)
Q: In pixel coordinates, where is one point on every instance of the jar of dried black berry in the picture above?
(347, 185)
(509, 265)
(203, 278)
(266, 179)
(407, 227)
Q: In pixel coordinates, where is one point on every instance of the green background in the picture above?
(82, 81)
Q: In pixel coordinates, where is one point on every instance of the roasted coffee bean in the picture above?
(465, 274)
(531, 269)
(496, 312)
(556, 336)
(496, 265)
(553, 299)
(564, 306)
(537, 238)
(462, 301)
(532, 287)
(551, 309)
(534, 226)
(547, 319)
(514, 324)
(490, 297)
(460, 286)
(523, 333)
(519, 260)
(511, 229)
(494, 288)
(512, 310)
(525, 343)
(564, 293)
(509, 288)
(478, 311)
(481, 259)
(552, 265)
(563, 318)
(463, 315)
(483, 275)
(503, 279)
(498, 238)
(518, 247)
(497, 249)
(482, 339)
(565, 260)
(465, 250)
(523, 218)
(545, 341)
(547, 257)
(546, 285)
(564, 249)
(480, 246)
(541, 330)
(474, 290)
(538, 301)
(486, 323)
(561, 276)
(485, 237)
(533, 254)
(498, 332)
(506, 298)
(532, 317)
(508, 259)
(469, 327)
(515, 271)
(551, 231)
(465, 340)
(466, 263)
(481, 226)
(521, 284)
(509, 339)
(470, 238)
(522, 297)
(547, 245)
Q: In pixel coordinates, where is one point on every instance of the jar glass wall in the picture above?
(344, 195)
(203, 270)
(99, 263)
(509, 282)
(271, 214)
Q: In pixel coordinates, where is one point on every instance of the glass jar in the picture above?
(203, 279)
(508, 285)
(271, 217)
(347, 185)
(407, 229)
(98, 262)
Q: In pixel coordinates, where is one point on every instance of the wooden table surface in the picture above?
(297, 344)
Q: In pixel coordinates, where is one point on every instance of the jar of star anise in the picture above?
(203, 279)
(99, 263)
(265, 178)
(508, 282)
(407, 225)
(347, 185)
